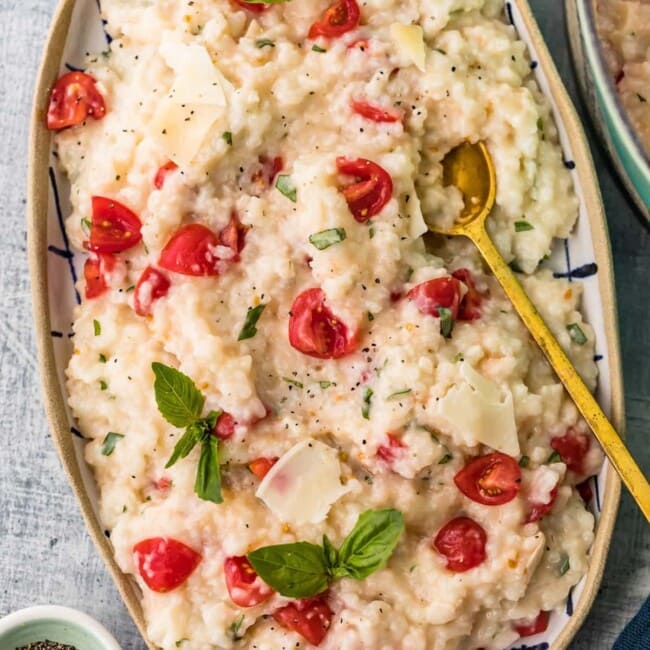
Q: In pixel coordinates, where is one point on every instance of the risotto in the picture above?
(311, 421)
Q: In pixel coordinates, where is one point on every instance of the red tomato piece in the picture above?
(162, 173)
(96, 266)
(462, 542)
(255, 7)
(370, 192)
(528, 628)
(585, 491)
(114, 228)
(245, 587)
(538, 510)
(74, 98)
(316, 331)
(439, 292)
(389, 452)
(261, 466)
(261, 175)
(163, 483)
(164, 563)
(470, 305)
(152, 285)
(225, 427)
(573, 448)
(376, 113)
(234, 236)
(311, 618)
(491, 480)
(190, 251)
(362, 44)
(337, 19)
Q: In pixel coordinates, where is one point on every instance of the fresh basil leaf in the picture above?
(211, 420)
(326, 238)
(576, 333)
(399, 393)
(208, 474)
(285, 186)
(108, 445)
(317, 48)
(523, 226)
(370, 543)
(227, 137)
(264, 42)
(446, 321)
(249, 328)
(331, 554)
(367, 399)
(179, 401)
(185, 445)
(296, 570)
(97, 327)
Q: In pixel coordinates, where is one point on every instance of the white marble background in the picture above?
(45, 554)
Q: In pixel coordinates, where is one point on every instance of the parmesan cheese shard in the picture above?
(302, 486)
(410, 42)
(480, 410)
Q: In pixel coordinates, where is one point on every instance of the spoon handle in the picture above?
(609, 439)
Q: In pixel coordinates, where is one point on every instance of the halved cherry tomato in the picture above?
(162, 173)
(470, 305)
(152, 285)
(74, 98)
(491, 480)
(528, 628)
(261, 466)
(585, 491)
(538, 510)
(311, 618)
(255, 7)
(338, 19)
(234, 236)
(370, 192)
(439, 292)
(245, 587)
(389, 452)
(96, 266)
(164, 563)
(573, 448)
(114, 228)
(376, 113)
(190, 251)
(225, 427)
(316, 331)
(462, 542)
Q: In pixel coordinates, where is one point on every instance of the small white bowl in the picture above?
(53, 623)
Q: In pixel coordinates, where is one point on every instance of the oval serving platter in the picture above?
(585, 257)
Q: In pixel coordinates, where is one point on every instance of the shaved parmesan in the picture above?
(480, 412)
(302, 486)
(410, 42)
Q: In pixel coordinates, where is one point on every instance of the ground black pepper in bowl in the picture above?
(46, 645)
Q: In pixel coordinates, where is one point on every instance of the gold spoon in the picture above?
(469, 167)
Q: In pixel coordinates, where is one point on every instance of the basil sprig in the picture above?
(303, 569)
(181, 403)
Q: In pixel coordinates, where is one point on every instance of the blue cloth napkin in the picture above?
(636, 635)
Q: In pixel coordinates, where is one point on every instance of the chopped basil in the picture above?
(441, 51)
(97, 327)
(399, 393)
(234, 628)
(565, 565)
(576, 333)
(108, 445)
(554, 458)
(293, 382)
(227, 137)
(180, 642)
(371, 232)
(102, 384)
(86, 225)
(446, 321)
(326, 238)
(285, 186)
(367, 398)
(264, 42)
(102, 358)
(249, 328)
(458, 357)
(445, 459)
(524, 461)
(523, 226)
(317, 48)
(324, 384)
(130, 288)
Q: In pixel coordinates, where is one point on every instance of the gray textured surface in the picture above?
(45, 554)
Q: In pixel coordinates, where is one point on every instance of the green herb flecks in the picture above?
(576, 334)
(565, 565)
(227, 137)
(286, 187)
(523, 226)
(367, 400)
(102, 358)
(86, 225)
(303, 569)
(109, 442)
(102, 385)
(399, 393)
(318, 48)
(324, 384)
(554, 458)
(97, 327)
(234, 628)
(293, 382)
(445, 459)
(264, 42)
(249, 328)
(326, 238)
(524, 461)
(446, 321)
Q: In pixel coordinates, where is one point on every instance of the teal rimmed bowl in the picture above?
(58, 624)
(607, 111)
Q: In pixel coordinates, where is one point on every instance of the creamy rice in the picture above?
(288, 100)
